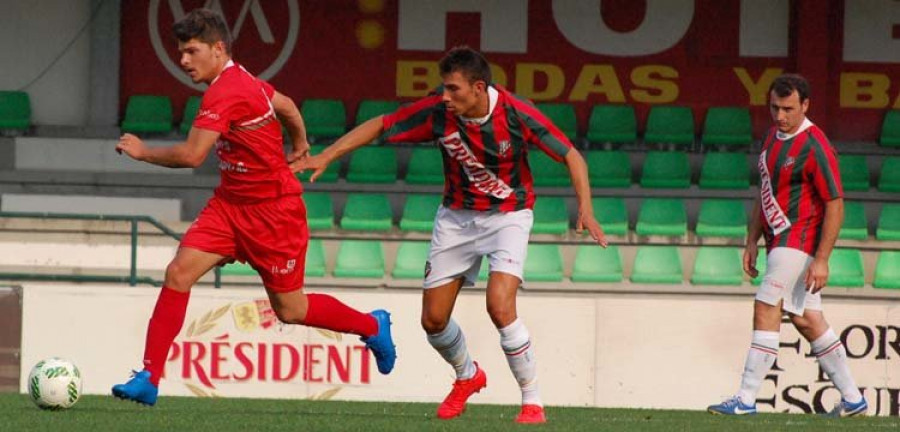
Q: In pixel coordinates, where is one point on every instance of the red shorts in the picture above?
(271, 236)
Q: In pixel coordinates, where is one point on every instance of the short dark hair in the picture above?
(785, 84)
(467, 61)
(204, 25)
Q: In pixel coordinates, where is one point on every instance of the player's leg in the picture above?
(776, 293)
(273, 236)
(452, 263)
(832, 356)
(168, 317)
(508, 251)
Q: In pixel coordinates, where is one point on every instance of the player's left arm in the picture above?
(579, 174)
(288, 112)
(187, 154)
(826, 179)
(817, 276)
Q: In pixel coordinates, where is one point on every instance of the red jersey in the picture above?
(798, 175)
(250, 149)
(485, 160)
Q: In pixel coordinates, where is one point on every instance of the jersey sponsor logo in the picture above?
(482, 178)
(788, 163)
(207, 113)
(777, 221)
(258, 12)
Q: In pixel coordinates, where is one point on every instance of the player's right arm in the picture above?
(287, 111)
(754, 232)
(356, 138)
(188, 154)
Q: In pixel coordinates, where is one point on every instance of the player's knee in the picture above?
(177, 277)
(433, 325)
(289, 316)
(801, 323)
(501, 314)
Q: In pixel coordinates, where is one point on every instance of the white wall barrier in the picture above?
(660, 351)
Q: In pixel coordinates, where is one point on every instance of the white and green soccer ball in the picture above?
(54, 383)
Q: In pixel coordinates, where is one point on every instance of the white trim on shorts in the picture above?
(785, 279)
(462, 237)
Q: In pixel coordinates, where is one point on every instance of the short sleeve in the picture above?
(413, 122)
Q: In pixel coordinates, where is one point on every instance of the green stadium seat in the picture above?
(612, 124)
(670, 125)
(663, 217)
(369, 109)
(315, 259)
(854, 172)
(845, 268)
(668, 170)
(563, 116)
(890, 129)
(238, 269)
(544, 263)
(612, 215)
(319, 211)
(551, 216)
(856, 225)
(890, 175)
(410, 262)
(426, 166)
(718, 266)
(15, 111)
(889, 223)
(331, 173)
(760, 265)
(596, 264)
(887, 271)
(608, 169)
(722, 218)
(324, 118)
(359, 259)
(373, 165)
(725, 171)
(367, 212)
(148, 114)
(484, 271)
(727, 126)
(546, 171)
(191, 107)
(657, 265)
(419, 211)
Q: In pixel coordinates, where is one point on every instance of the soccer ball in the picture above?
(54, 383)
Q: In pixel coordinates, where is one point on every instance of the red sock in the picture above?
(165, 323)
(327, 312)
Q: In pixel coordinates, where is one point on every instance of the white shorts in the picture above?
(462, 237)
(785, 279)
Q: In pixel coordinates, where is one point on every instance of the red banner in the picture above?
(698, 53)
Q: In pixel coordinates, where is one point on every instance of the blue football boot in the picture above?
(381, 344)
(847, 409)
(138, 389)
(732, 406)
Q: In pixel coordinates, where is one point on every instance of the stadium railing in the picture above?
(132, 279)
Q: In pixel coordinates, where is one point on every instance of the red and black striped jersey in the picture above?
(485, 160)
(798, 175)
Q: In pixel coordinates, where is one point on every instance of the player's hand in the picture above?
(587, 221)
(300, 152)
(131, 146)
(317, 163)
(750, 253)
(817, 275)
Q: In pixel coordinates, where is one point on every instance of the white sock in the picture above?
(451, 345)
(516, 343)
(760, 358)
(833, 357)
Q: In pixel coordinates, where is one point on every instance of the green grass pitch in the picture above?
(104, 413)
